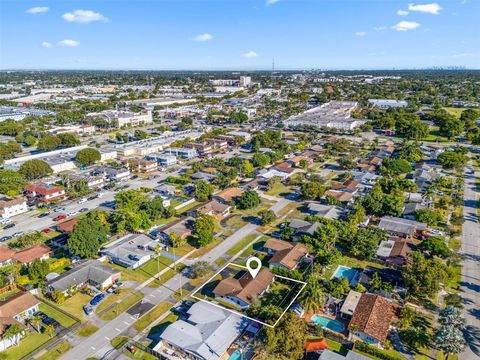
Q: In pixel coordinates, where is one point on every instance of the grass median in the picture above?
(152, 315)
(87, 330)
(56, 352)
(122, 306)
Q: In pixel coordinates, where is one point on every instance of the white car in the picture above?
(82, 200)
(73, 213)
(99, 195)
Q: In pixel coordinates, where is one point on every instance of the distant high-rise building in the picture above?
(245, 81)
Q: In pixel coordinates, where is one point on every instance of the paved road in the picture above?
(99, 343)
(470, 284)
(30, 222)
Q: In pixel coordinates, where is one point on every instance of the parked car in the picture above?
(99, 195)
(96, 300)
(5, 221)
(83, 210)
(112, 289)
(88, 310)
(82, 200)
(42, 215)
(18, 233)
(60, 217)
(5, 238)
(72, 213)
(47, 230)
(9, 226)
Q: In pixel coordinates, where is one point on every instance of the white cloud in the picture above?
(402, 13)
(250, 54)
(432, 8)
(463, 55)
(47, 45)
(406, 26)
(271, 2)
(68, 43)
(379, 28)
(203, 37)
(38, 10)
(360, 33)
(84, 16)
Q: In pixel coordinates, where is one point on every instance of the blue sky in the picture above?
(238, 34)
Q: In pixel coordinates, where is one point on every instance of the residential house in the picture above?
(206, 333)
(203, 176)
(131, 251)
(37, 252)
(11, 207)
(44, 192)
(91, 272)
(341, 196)
(213, 208)
(351, 355)
(302, 227)
(15, 310)
(112, 173)
(350, 186)
(228, 195)
(182, 228)
(91, 180)
(331, 212)
(297, 161)
(203, 149)
(285, 254)
(241, 292)
(350, 304)
(282, 170)
(165, 190)
(142, 166)
(163, 159)
(401, 227)
(411, 208)
(395, 250)
(6, 256)
(371, 319)
(66, 227)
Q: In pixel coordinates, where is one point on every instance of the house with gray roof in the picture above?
(302, 227)
(206, 333)
(401, 227)
(131, 251)
(351, 355)
(325, 211)
(91, 272)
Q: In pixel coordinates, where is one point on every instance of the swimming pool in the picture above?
(328, 323)
(346, 272)
(236, 355)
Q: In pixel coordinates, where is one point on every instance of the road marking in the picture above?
(106, 337)
(131, 317)
(117, 329)
(91, 347)
(126, 323)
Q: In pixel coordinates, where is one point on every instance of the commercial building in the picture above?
(143, 166)
(386, 103)
(184, 153)
(75, 129)
(334, 114)
(19, 113)
(11, 207)
(163, 159)
(120, 118)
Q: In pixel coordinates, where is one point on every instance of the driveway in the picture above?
(470, 283)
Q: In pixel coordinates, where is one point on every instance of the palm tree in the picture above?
(49, 330)
(13, 332)
(312, 297)
(35, 322)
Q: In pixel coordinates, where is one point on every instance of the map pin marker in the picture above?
(256, 268)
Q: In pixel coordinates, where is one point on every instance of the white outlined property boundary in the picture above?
(239, 313)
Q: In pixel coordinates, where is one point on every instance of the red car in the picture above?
(60, 217)
(46, 231)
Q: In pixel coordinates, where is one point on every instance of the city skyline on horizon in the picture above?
(238, 36)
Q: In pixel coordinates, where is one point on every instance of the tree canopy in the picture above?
(35, 169)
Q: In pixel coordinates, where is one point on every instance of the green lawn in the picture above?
(162, 325)
(241, 244)
(277, 189)
(152, 315)
(56, 352)
(64, 320)
(337, 347)
(187, 207)
(87, 330)
(8, 293)
(154, 266)
(74, 305)
(455, 111)
(350, 262)
(112, 298)
(124, 305)
(28, 344)
(205, 249)
(119, 341)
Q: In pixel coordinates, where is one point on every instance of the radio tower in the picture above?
(273, 67)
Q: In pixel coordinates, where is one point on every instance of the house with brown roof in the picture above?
(228, 195)
(285, 254)
(342, 196)
(297, 160)
(40, 252)
(350, 186)
(182, 228)
(66, 227)
(241, 292)
(15, 310)
(395, 250)
(6, 256)
(371, 319)
(213, 208)
(44, 192)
